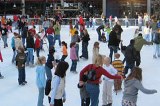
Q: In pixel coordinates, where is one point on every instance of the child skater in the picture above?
(108, 83)
(1, 59)
(95, 51)
(64, 51)
(73, 57)
(119, 66)
(20, 63)
(58, 95)
(40, 79)
(37, 44)
(85, 99)
(132, 85)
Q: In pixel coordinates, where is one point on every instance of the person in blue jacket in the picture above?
(40, 79)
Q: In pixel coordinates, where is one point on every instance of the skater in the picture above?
(132, 85)
(119, 66)
(20, 63)
(139, 42)
(95, 51)
(73, 57)
(64, 51)
(94, 73)
(40, 79)
(58, 95)
(57, 29)
(85, 99)
(85, 43)
(156, 42)
(101, 27)
(37, 44)
(4, 35)
(130, 56)
(147, 32)
(108, 83)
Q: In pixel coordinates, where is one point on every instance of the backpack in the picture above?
(91, 75)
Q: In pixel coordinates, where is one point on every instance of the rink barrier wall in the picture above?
(99, 21)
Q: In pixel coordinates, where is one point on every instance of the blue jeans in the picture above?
(93, 91)
(128, 66)
(85, 50)
(4, 38)
(21, 75)
(37, 51)
(14, 55)
(140, 26)
(50, 41)
(30, 56)
(157, 50)
(48, 73)
(77, 50)
(40, 96)
(57, 37)
(74, 65)
(112, 49)
(147, 37)
(87, 22)
(126, 24)
(23, 41)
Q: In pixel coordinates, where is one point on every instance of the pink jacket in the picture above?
(73, 55)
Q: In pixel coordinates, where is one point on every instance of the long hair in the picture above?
(99, 60)
(64, 43)
(61, 69)
(96, 44)
(40, 59)
(136, 73)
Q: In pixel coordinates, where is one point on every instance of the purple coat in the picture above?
(73, 55)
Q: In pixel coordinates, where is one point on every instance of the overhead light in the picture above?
(14, 5)
(51, 5)
(90, 6)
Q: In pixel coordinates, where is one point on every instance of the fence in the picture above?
(99, 21)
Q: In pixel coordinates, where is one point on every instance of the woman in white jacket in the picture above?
(95, 51)
(58, 95)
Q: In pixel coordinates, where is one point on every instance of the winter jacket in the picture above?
(24, 32)
(73, 55)
(130, 54)
(46, 24)
(139, 42)
(99, 72)
(20, 60)
(57, 88)
(57, 29)
(37, 43)
(18, 43)
(154, 26)
(30, 42)
(113, 40)
(110, 69)
(75, 38)
(119, 66)
(85, 38)
(64, 50)
(50, 59)
(40, 76)
(131, 88)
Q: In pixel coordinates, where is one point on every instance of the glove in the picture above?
(154, 91)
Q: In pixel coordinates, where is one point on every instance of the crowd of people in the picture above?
(26, 41)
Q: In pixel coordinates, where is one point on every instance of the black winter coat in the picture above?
(130, 54)
(113, 40)
(30, 42)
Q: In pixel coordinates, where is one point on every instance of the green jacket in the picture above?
(57, 29)
(139, 42)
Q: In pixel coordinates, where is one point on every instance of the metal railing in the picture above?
(99, 21)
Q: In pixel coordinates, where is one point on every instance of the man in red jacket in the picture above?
(1, 59)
